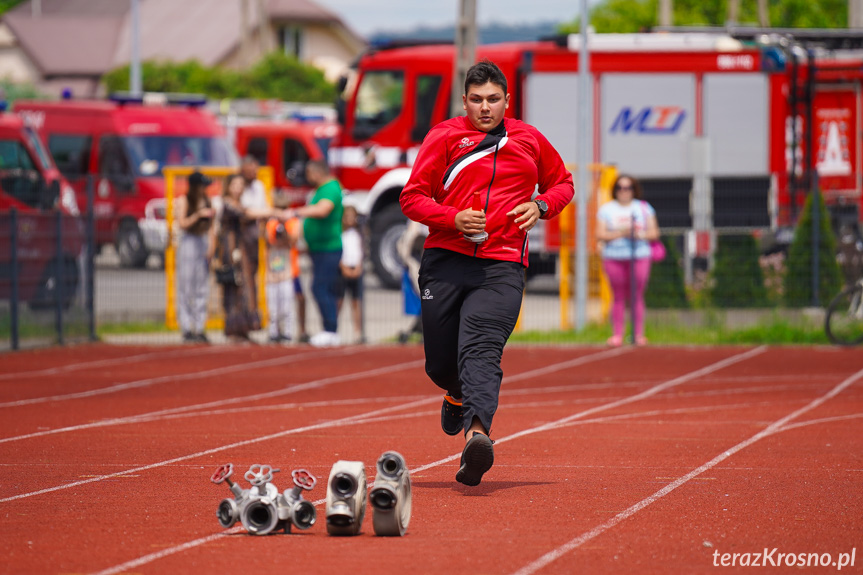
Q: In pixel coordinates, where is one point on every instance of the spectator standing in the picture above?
(472, 288)
(238, 291)
(195, 217)
(256, 211)
(322, 229)
(626, 225)
(410, 249)
(351, 266)
(280, 280)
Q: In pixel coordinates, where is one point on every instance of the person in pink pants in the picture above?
(625, 226)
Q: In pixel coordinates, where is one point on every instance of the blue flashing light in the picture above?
(304, 117)
(4, 105)
(159, 99)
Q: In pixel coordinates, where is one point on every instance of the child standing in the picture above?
(281, 237)
(351, 266)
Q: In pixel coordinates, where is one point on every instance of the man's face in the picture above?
(485, 105)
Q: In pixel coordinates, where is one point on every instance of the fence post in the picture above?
(13, 276)
(91, 268)
(59, 279)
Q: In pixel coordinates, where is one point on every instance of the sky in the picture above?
(369, 16)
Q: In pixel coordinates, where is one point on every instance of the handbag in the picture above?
(657, 248)
(226, 275)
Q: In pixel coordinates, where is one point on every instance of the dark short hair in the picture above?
(636, 186)
(320, 165)
(483, 72)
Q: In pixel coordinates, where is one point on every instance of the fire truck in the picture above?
(122, 143)
(48, 235)
(724, 132)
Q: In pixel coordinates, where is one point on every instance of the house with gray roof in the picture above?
(69, 44)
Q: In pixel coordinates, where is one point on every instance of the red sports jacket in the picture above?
(506, 164)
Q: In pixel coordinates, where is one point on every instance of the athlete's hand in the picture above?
(470, 221)
(526, 214)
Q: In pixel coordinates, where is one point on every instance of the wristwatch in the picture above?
(543, 207)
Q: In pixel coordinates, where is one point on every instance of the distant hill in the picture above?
(489, 34)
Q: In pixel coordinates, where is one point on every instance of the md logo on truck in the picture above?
(649, 120)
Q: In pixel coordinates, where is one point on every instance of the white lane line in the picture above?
(624, 401)
(324, 425)
(773, 428)
(154, 415)
(181, 377)
(293, 389)
(138, 562)
(109, 362)
(129, 565)
(820, 421)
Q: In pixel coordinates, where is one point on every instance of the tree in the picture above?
(275, 76)
(639, 15)
(737, 277)
(665, 289)
(798, 272)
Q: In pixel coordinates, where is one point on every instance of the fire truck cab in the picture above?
(31, 184)
(723, 132)
(287, 146)
(121, 145)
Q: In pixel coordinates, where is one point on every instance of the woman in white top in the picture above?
(626, 225)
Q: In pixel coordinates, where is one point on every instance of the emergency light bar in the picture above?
(159, 99)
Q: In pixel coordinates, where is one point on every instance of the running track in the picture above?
(636, 460)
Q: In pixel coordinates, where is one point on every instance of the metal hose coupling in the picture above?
(346, 498)
(390, 496)
(261, 509)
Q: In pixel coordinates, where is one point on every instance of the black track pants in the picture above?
(469, 309)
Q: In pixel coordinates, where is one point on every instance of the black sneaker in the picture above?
(451, 416)
(476, 459)
(202, 337)
(189, 337)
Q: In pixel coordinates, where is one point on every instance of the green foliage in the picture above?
(775, 328)
(6, 5)
(623, 16)
(20, 91)
(798, 271)
(275, 76)
(737, 277)
(666, 287)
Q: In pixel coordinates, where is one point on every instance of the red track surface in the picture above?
(648, 460)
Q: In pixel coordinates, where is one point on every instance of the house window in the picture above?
(291, 41)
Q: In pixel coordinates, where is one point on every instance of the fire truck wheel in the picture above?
(130, 245)
(387, 227)
(46, 295)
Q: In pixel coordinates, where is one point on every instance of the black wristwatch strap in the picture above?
(543, 207)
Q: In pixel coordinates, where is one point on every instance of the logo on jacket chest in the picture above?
(465, 142)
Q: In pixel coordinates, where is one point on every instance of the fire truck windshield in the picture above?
(149, 154)
(378, 102)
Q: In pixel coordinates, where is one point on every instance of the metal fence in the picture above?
(53, 291)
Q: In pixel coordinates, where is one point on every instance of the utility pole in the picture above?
(666, 13)
(733, 13)
(585, 129)
(465, 52)
(265, 32)
(763, 14)
(855, 13)
(135, 86)
(245, 58)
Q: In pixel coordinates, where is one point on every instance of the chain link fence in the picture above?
(53, 291)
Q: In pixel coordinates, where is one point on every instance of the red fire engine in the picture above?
(716, 128)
